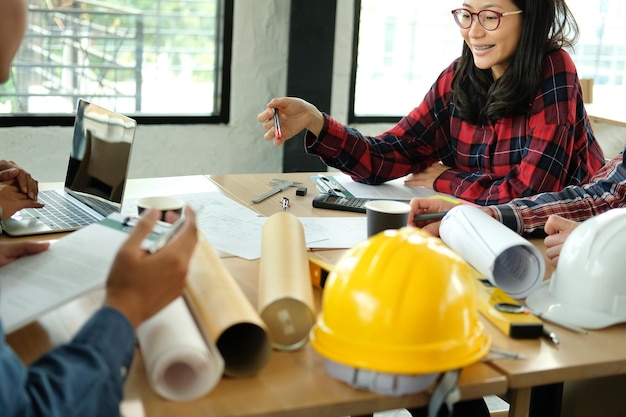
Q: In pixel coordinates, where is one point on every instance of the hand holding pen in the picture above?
(429, 216)
(428, 212)
(287, 116)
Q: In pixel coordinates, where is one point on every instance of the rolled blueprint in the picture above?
(225, 314)
(505, 258)
(285, 290)
(181, 365)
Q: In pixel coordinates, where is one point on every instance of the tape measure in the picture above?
(506, 313)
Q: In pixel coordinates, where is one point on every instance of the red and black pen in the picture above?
(277, 132)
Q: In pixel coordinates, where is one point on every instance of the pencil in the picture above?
(429, 216)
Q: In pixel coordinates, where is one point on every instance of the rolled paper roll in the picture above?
(181, 365)
(285, 290)
(225, 314)
(505, 258)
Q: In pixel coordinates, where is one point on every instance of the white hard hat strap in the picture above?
(445, 393)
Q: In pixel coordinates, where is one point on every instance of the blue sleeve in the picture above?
(83, 377)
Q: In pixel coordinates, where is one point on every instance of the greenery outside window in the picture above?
(159, 61)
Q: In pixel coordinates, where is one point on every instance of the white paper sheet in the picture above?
(334, 232)
(233, 228)
(181, 365)
(78, 263)
(506, 259)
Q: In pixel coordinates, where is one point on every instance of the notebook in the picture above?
(96, 175)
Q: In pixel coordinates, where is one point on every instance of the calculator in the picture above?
(335, 202)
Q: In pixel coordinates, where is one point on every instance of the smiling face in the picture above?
(493, 49)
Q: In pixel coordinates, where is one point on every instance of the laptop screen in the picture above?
(100, 154)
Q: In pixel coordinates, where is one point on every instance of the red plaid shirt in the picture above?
(606, 190)
(517, 156)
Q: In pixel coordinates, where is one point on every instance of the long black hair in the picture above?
(547, 25)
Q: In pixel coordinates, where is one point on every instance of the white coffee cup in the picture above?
(162, 203)
(385, 214)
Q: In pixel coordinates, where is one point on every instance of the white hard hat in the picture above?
(588, 287)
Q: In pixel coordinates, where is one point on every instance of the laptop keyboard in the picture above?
(58, 213)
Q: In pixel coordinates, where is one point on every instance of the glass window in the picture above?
(600, 53)
(149, 58)
(403, 45)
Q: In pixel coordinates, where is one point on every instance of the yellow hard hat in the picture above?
(401, 302)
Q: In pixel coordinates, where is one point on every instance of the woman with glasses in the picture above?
(504, 120)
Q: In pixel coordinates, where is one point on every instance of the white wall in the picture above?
(611, 136)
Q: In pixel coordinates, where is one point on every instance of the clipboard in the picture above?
(391, 190)
(329, 185)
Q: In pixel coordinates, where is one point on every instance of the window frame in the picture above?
(222, 92)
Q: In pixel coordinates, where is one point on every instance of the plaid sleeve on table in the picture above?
(606, 190)
(548, 149)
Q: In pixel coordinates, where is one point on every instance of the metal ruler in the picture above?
(281, 185)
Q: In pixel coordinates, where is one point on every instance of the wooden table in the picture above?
(292, 383)
(536, 381)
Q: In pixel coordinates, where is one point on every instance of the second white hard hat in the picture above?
(588, 287)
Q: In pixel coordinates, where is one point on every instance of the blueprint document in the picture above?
(235, 229)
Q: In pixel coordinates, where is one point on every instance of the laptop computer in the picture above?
(95, 180)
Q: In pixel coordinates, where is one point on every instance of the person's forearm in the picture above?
(316, 121)
(81, 378)
(606, 191)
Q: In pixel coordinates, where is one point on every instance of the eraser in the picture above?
(301, 191)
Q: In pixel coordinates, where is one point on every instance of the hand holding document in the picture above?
(79, 262)
(182, 360)
(506, 259)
